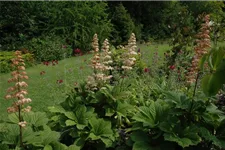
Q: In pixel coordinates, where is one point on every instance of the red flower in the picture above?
(172, 67)
(46, 63)
(146, 70)
(60, 81)
(77, 51)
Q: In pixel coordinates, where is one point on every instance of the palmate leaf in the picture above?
(56, 109)
(147, 115)
(101, 130)
(143, 146)
(189, 136)
(177, 99)
(41, 138)
(49, 136)
(12, 134)
(139, 136)
(13, 118)
(141, 141)
(123, 108)
(58, 146)
(79, 117)
(31, 137)
(36, 118)
(212, 138)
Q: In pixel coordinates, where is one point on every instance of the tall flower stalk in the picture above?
(100, 64)
(203, 43)
(129, 56)
(18, 91)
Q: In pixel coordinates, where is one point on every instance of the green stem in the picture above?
(196, 83)
(21, 132)
(20, 116)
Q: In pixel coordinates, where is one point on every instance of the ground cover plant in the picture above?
(113, 93)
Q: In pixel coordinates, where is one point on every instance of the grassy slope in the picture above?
(43, 89)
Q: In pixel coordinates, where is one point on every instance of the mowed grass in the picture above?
(44, 89)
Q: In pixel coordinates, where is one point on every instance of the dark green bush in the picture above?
(5, 60)
(123, 25)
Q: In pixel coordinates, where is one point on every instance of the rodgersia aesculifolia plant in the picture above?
(129, 56)
(100, 64)
(18, 91)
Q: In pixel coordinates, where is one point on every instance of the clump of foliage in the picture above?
(72, 21)
(48, 48)
(76, 21)
(5, 61)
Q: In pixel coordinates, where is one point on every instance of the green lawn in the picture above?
(44, 89)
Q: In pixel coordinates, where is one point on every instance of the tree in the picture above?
(123, 25)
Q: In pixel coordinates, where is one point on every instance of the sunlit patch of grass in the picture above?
(44, 90)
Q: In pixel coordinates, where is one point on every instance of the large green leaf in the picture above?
(177, 99)
(189, 136)
(211, 84)
(56, 109)
(100, 127)
(217, 57)
(73, 147)
(101, 130)
(48, 147)
(139, 136)
(147, 115)
(36, 118)
(141, 145)
(12, 134)
(49, 136)
(14, 118)
(58, 146)
(31, 137)
(79, 117)
(123, 108)
(212, 138)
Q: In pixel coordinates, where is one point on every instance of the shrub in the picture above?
(48, 48)
(5, 60)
